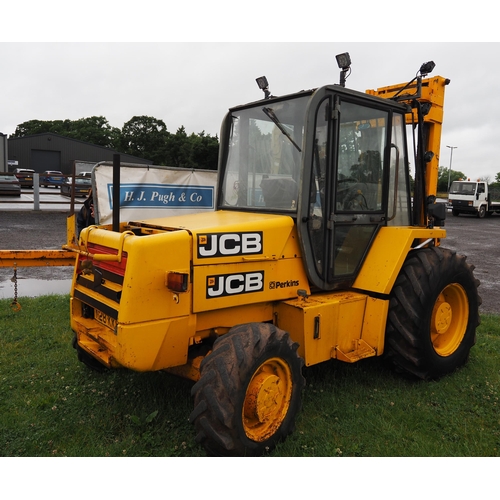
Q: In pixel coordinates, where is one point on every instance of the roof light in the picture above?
(343, 60)
(344, 63)
(427, 68)
(263, 85)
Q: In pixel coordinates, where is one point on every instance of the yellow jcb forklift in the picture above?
(319, 249)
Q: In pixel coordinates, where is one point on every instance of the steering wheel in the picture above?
(354, 200)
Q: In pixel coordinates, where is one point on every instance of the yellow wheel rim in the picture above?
(267, 399)
(450, 316)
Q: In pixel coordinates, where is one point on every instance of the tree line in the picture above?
(147, 137)
(142, 136)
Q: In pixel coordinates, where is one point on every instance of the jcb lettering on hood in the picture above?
(223, 285)
(224, 244)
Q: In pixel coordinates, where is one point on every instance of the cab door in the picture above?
(358, 182)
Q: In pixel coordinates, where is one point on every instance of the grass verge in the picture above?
(52, 405)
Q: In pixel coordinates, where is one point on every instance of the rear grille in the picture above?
(95, 304)
(100, 283)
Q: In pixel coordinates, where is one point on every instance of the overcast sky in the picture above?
(193, 84)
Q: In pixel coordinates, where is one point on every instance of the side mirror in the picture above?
(438, 212)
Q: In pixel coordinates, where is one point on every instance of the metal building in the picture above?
(3, 152)
(50, 151)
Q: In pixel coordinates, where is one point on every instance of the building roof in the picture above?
(49, 135)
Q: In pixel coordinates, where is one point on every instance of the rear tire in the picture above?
(433, 314)
(249, 392)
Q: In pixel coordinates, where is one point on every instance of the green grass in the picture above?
(52, 405)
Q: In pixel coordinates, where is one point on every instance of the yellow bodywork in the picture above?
(387, 254)
(152, 295)
(344, 325)
(151, 326)
(351, 325)
(144, 325)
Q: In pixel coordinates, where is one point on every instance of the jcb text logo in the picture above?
(234, 284)
(218, 245)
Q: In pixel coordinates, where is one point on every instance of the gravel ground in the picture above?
(476, 238)
(33, 230)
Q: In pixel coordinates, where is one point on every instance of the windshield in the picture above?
(265, 154)
(463, 187)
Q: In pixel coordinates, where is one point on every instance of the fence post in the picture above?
(116, 192)
(36, 191)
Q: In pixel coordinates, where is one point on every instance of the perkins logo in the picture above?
(273, 285)
(234, 284)
(219, 245)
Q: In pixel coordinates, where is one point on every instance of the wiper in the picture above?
(269, 112)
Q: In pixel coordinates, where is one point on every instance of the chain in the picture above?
(15, 306)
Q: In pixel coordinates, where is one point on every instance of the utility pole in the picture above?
(451, 159)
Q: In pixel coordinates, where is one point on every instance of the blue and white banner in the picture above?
(162, 195)
(152, 191)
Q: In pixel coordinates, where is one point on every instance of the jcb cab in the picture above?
(318, 250)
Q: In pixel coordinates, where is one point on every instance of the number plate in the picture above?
(105, 319)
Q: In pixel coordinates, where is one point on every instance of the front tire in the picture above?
(433, 314)
(249, 392)
(481, 213)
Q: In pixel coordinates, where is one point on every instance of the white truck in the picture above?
(473, 197)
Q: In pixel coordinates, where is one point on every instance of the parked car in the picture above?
(25, 176)
(52, 178)
(82, 186)
(9, 184)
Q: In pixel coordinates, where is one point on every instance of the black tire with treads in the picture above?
(220, 395)
(431, 281)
